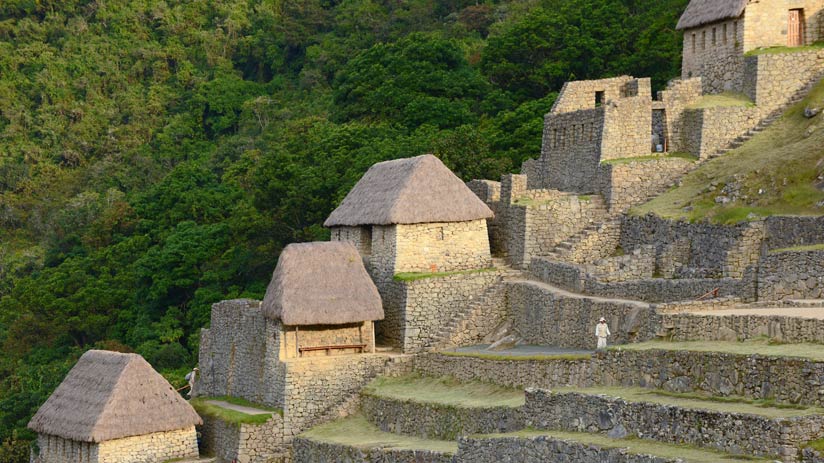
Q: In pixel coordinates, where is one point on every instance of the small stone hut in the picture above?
(413, 215)
(323, 300)
(717, 34)
(114, 408)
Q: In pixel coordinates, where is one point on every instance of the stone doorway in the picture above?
(795, 28)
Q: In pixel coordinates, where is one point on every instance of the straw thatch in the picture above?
(321, 284)
(406, 191)
(700, 12)
(109, 395)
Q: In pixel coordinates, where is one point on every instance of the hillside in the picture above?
(156, 156)
(779, 171)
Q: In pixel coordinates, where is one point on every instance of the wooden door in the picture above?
(795, 28)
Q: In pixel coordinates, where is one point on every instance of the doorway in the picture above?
(795, 28)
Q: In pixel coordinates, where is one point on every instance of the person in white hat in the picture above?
(601, 332)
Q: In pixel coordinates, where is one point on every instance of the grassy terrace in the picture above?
(356, 431)
(518, 358)
(639, 447)
(775, 173)
(651, 157)
(445, 391)
(203, 407)
(779, 50)
(698, 401)
(813, 247)
(414, 276)
(760, 347)
(721, 100)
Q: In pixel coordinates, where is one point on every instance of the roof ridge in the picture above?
(110, 400)
(416, 162)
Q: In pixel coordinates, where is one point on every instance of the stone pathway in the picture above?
(239, 408)
(571, 295)
(520, 351)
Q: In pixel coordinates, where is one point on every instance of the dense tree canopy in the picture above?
(156, 155)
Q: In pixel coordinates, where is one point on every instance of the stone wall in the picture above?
(53, 449)
(572, 150)
(715, 53)
(580, 94)
(696, 327)
(442, 247)
(628, 124)
(790, 231)
(360, 237)
(484, 316)
(703, 428)
(436, 421)
(708, 130)
(416, 310)
(593, 244)
(772, 78)
(307, 450)
(545, 317)
(791, 275)
(679, 94)
(490, 193)
(158, 446)
(714, 250)
(637, 265)
(626, 184)
(766, 22)
(243, 443)
(540, 449)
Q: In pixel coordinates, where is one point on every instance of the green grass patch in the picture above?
(414, 276)
(651, 157)
(775, 173)
(356, 431)
(779, 50)
(519, 358)
(752, 347)
(817, 445)
(812, 247)
(445, 391)
(722, 100)
(766, 409)
(203, 407)
(688, 454)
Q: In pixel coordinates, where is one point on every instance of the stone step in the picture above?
(531, 446)
(676, 419)
(355, 440)
(441, 408)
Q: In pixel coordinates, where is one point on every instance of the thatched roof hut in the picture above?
(701, 12)
(322, 283)
(109, 395)
(408, 191)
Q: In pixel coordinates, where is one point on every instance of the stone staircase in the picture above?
(477, 308)
(773, 116)
(571, 249)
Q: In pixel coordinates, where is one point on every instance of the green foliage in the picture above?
(156, 156)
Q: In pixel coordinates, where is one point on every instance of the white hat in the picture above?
(602, 319)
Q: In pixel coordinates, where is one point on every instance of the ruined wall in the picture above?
(703, 428)
(580, 94)
(159, 446)
(771, 79)
(252, 443)
(628, 123)
(791, 275)
(626, 184)
(545, 317)
(571, 149)
(708, 130)
(490, 193)
(415, 311)
(715, 52)
(792, 231)
(678, 95)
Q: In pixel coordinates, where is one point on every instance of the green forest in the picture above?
(156, 156)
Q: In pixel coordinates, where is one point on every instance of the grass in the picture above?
(817, 445)
(445, 391)
(778, 50)
(519, 358)
(776, 170)
(813, 247)
(637, 446)
(356, 431)
(752, 347)
(415, 276)
(651, 157)
(203, 407)
(720, 100)
(698, 401)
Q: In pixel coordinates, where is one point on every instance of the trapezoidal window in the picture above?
(693, 42)
(599, 98)
(725, 34)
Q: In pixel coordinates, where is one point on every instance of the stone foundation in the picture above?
(243, 443)
(791, 275)
(306, 450)
(154, 447)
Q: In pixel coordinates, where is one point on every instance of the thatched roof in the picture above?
(109, 395)
(321, 284)
(700, 12)
(406, 191)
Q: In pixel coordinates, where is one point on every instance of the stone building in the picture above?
(323, 301)
(718, 34)
(114, 408)
(413, 215)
